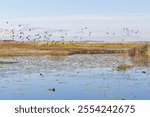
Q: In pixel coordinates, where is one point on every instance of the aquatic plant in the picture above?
(123, 67)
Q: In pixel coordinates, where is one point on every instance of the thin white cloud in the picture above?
(84, 17)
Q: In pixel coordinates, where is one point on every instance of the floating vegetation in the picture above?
(123, 67)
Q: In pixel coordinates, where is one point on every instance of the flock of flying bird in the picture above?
(29, 34)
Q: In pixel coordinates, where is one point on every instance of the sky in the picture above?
(98, 15)
(44, 8)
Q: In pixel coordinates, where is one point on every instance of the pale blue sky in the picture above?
(99, 16)
(42, 8)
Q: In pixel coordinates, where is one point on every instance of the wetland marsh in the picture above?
(75, 76)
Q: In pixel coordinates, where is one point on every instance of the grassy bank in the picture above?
(14, 48)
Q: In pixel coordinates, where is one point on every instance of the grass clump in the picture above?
(141, 50)
(123, 67)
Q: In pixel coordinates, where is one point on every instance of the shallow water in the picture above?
(73, 77)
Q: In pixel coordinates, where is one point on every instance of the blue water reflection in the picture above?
(73, 77)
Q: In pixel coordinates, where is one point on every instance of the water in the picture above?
(73, 77)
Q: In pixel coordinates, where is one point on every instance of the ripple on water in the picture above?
(75, 77)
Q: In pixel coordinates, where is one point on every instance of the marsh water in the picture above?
(72, 77)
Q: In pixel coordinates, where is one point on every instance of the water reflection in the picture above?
(74, 77)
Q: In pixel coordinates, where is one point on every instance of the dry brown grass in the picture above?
(14, 48)
(123, 67)
(15, 44)
(143, 50)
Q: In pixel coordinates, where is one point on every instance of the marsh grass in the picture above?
(61, 48)
(123, 67)
(28, 52)
(141, 55)
(143, 50)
